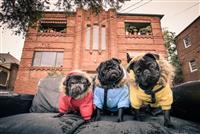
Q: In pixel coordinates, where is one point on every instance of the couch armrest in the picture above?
(11, 104)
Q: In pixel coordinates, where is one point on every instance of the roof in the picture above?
(125, 14)
(134, 14)
(188, 26)
(8, 58)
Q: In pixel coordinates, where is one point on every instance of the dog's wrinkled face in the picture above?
(76, 85)
(146, 69)
(110, 72)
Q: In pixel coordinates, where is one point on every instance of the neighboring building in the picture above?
(188, 47)
(83, 40)
(8, 71)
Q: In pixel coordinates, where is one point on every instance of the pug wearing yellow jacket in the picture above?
(150, 80)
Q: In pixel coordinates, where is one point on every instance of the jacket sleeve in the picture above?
(124, 100)
(98, 100)
(63, 104)
(135, 101)
(86, 108)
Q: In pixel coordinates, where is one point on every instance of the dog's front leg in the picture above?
(167, 121)
(58, 115)
(120, 115)
(98, 114)
(137, 115)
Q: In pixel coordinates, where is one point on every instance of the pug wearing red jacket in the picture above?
(76, 95)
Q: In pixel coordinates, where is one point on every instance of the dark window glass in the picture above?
(187, 41)
(4, 77)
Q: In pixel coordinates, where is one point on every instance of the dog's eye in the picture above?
(84, 81)
(138, 71)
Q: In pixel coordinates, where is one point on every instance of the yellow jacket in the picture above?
(138, 97)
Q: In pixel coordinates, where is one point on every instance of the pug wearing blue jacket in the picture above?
(111, 92)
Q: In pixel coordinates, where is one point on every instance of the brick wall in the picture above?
(73, 44)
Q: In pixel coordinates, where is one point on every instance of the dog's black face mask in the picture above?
(110, 72)
(147, 71)
(76, 85)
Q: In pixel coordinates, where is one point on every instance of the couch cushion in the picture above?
(12, 103)
(47, 96)
(39, 123)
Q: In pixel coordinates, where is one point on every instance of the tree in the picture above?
(169, 40)
(20, 14)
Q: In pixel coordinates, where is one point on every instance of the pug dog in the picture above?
(150, 79)
(76, 95)
(111, 92)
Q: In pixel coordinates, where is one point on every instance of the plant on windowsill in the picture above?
(145, 31)
(148, 30)
(132, 30)
(142, 31)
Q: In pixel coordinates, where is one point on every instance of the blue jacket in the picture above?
(116, 98)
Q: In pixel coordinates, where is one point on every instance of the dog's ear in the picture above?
(117, 60)
(99, 66)
(66, 80)
(88, 83)
(128, 58)
(152, 55)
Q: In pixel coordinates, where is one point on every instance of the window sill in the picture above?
(139, 36)
(52, 34)
(187, 46)
(46, 68)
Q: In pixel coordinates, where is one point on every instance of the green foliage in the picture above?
(20, 14)
(169, 39)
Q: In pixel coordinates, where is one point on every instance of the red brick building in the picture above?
(188, 47)
(82, 40)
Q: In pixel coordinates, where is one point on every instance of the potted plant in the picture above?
(148, 30)
(132, 29)
(142, 31)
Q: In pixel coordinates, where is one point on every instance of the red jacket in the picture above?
(83, 105)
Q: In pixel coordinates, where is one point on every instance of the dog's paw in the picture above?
(168, 124)
(88, 121)
(137, 118)
(97, 118)
(119, 120)
(58, 115)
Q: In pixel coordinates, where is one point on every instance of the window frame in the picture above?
(184, 41)
(190, 66)
(139, 34)
(90, 39)
(8, 76)
(50, 31)
(49, 66)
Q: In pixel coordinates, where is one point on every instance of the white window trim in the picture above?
(191, 70)
(186, 46)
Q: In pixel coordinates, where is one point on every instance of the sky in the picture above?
(178, 14)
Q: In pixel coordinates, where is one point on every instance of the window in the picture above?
(95, 45)
(4, 77)
(48, 59)
(88, 37)
(187, 42)
(103, 37)
(192, 65)
(138, 28)
(98, 37)
(52, 26)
